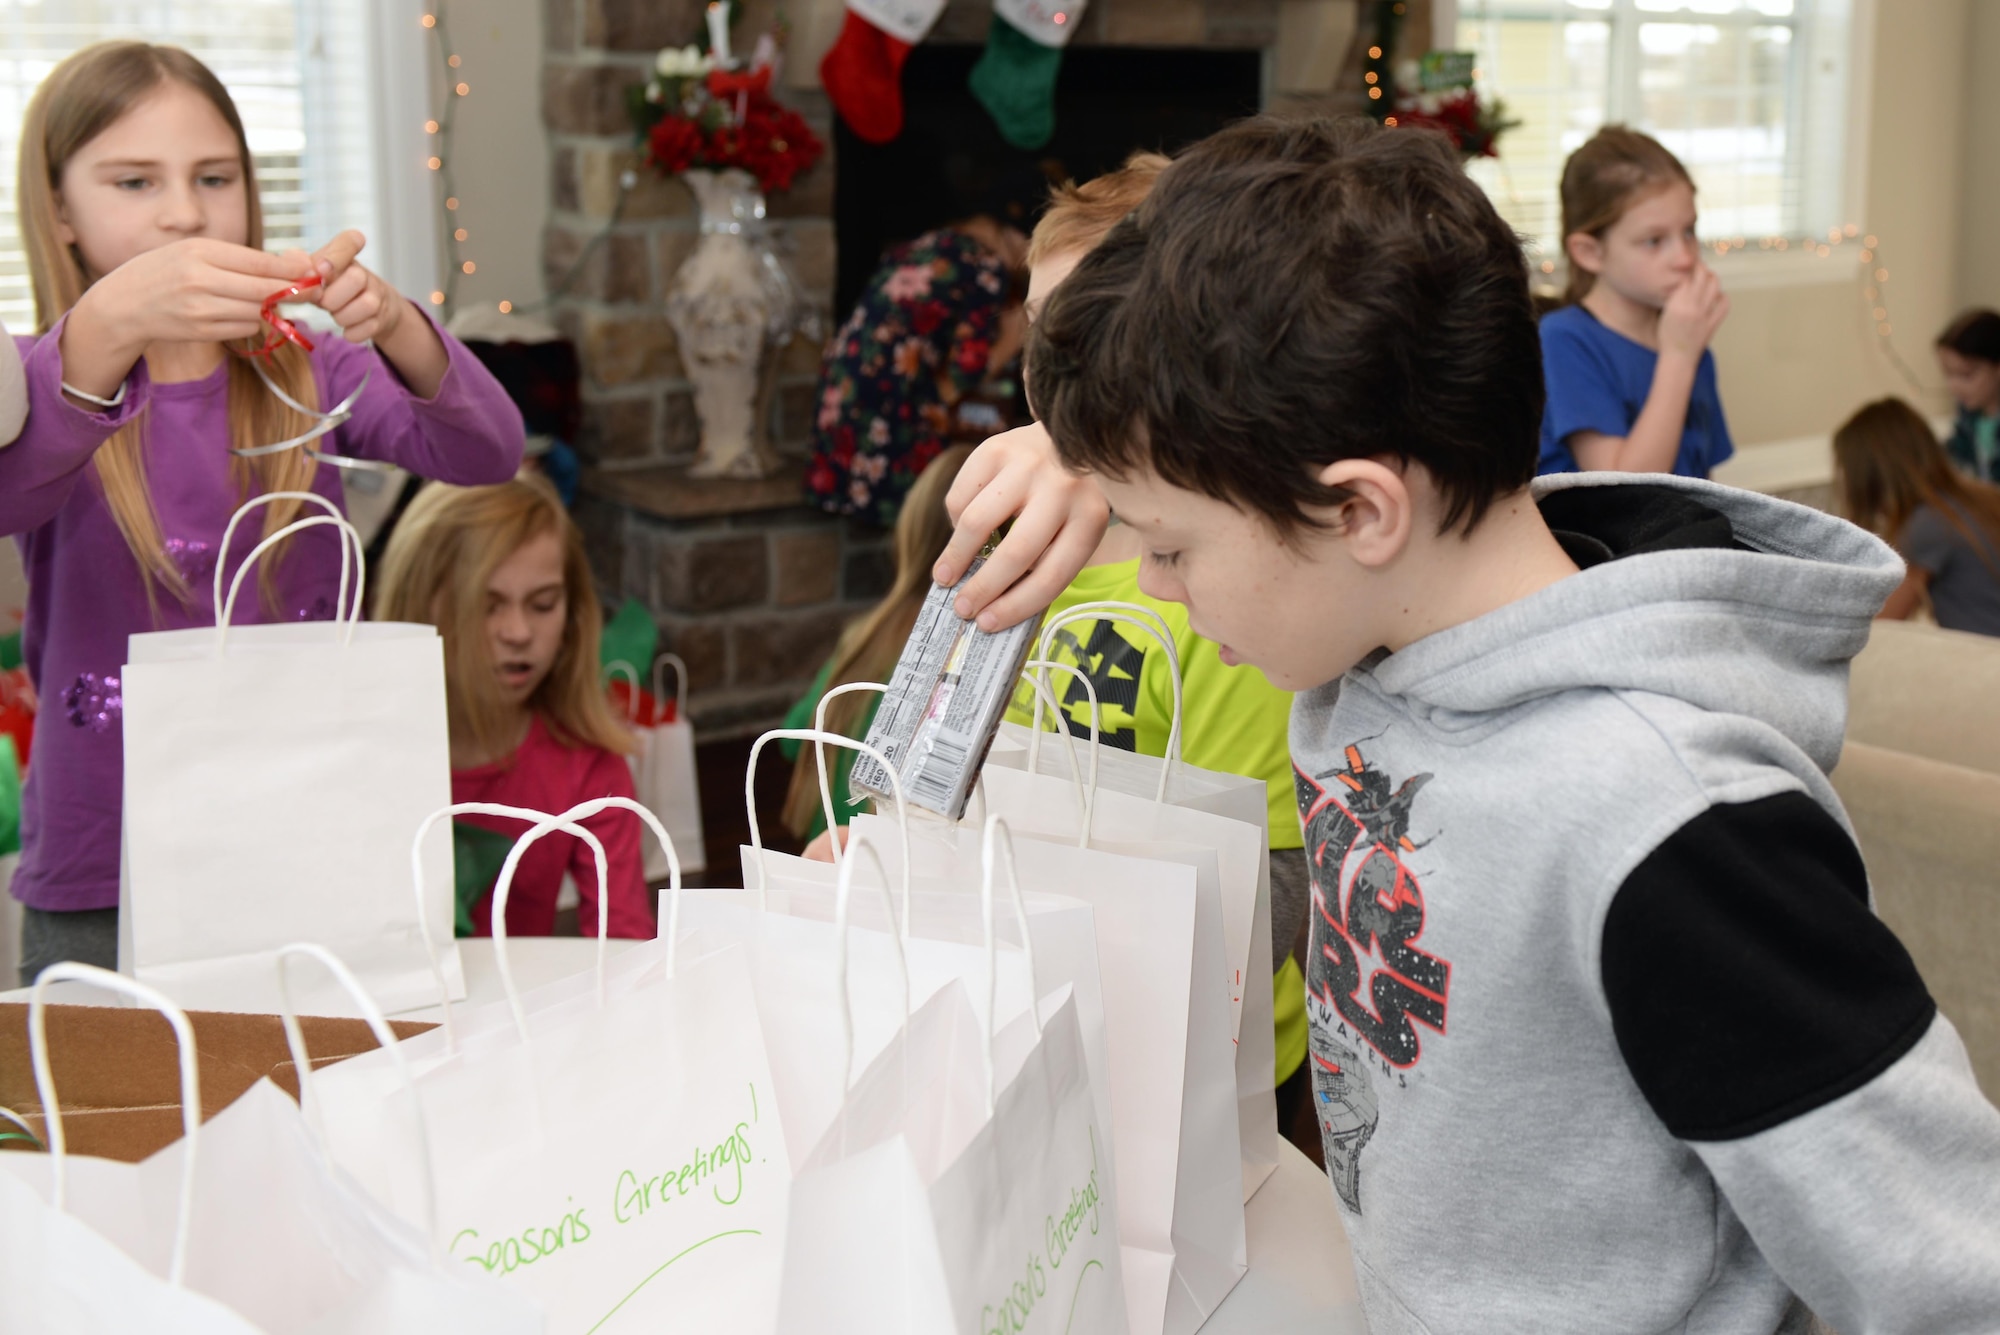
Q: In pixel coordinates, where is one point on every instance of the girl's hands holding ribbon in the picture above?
(367, 308)
(196, 290)
(359, 300)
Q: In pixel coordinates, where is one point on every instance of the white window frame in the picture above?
(365, 70)
(1829, 106)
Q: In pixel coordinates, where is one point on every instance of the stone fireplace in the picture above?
(746, 582)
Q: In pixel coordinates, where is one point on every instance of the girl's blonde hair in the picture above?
(83, 97)
(869, 648)
(1614, 169)
(1887, 464)
(436, 570)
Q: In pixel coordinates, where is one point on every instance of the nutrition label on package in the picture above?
(944, 704)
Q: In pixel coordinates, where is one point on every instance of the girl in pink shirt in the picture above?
(500, 572)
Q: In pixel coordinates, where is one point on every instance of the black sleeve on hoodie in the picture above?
(1747, 978)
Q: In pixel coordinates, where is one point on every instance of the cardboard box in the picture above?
(117, 1069)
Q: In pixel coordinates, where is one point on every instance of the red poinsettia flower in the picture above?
(731, 121)
(675, 144)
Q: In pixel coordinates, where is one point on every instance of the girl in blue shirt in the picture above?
(1631, 382)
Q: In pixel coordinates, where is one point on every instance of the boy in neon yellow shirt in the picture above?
(1235, 720)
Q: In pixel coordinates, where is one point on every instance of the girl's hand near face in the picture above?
(193, 291)
(367, 308)
(1694, 311)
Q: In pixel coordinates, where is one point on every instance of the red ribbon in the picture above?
(283, 331)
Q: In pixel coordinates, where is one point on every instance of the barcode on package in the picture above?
(944, 705)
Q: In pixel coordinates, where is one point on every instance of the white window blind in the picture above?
(304, 81)
(1750, 94)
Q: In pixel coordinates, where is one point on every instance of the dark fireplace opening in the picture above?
(1110, 102)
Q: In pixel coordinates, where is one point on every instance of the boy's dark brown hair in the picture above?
(1290, 294)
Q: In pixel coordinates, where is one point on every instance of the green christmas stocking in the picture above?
(1015, 80)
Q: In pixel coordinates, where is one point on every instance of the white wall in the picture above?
(1979, 229)
(500, 152)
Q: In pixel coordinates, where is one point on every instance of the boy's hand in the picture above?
(360, 302)
(1059, 516)
(1694, 311)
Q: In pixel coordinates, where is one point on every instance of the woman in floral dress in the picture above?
(941, 311)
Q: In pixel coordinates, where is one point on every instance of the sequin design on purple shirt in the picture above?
(194, 558)
(94, 702)
(321, 610)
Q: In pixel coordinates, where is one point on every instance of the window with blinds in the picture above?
(1750, 94)
(296, 69)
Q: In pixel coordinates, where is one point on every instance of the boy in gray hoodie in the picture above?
(1606, 1037)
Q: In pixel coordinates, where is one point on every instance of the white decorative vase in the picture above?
(731, 301)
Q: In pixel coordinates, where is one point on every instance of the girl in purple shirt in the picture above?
(141, 220)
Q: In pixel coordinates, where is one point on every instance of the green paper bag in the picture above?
(10, 797)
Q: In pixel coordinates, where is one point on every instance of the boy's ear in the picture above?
(1374, 523)
(1585, 251)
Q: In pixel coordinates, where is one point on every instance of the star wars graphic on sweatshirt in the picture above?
(1369, 985)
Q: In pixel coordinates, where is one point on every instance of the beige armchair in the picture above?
(1929, 692)
(1930, 833)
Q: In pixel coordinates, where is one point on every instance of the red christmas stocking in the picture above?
(863, 70)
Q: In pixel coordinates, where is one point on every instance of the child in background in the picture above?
(1969, 353)
(140, 217)
(1234, 719)
(939, 317)
(1896, 480)
(1604, 1033)
(1631, 382)
(868, 650)
(500, 571)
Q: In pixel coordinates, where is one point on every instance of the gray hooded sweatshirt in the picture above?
(1605, 1034)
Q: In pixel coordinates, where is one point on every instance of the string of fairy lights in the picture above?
(439, 130)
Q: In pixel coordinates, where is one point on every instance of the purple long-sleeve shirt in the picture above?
(85, 596)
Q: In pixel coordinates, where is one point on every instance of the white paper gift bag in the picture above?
(1168, 1018)
(245, 1212)
(617, 1155)
(787, 929)
(273, 774)
(663, 769)
(1173, 1112)
(57, 1277)
(1173, 782)
(972, 1164)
